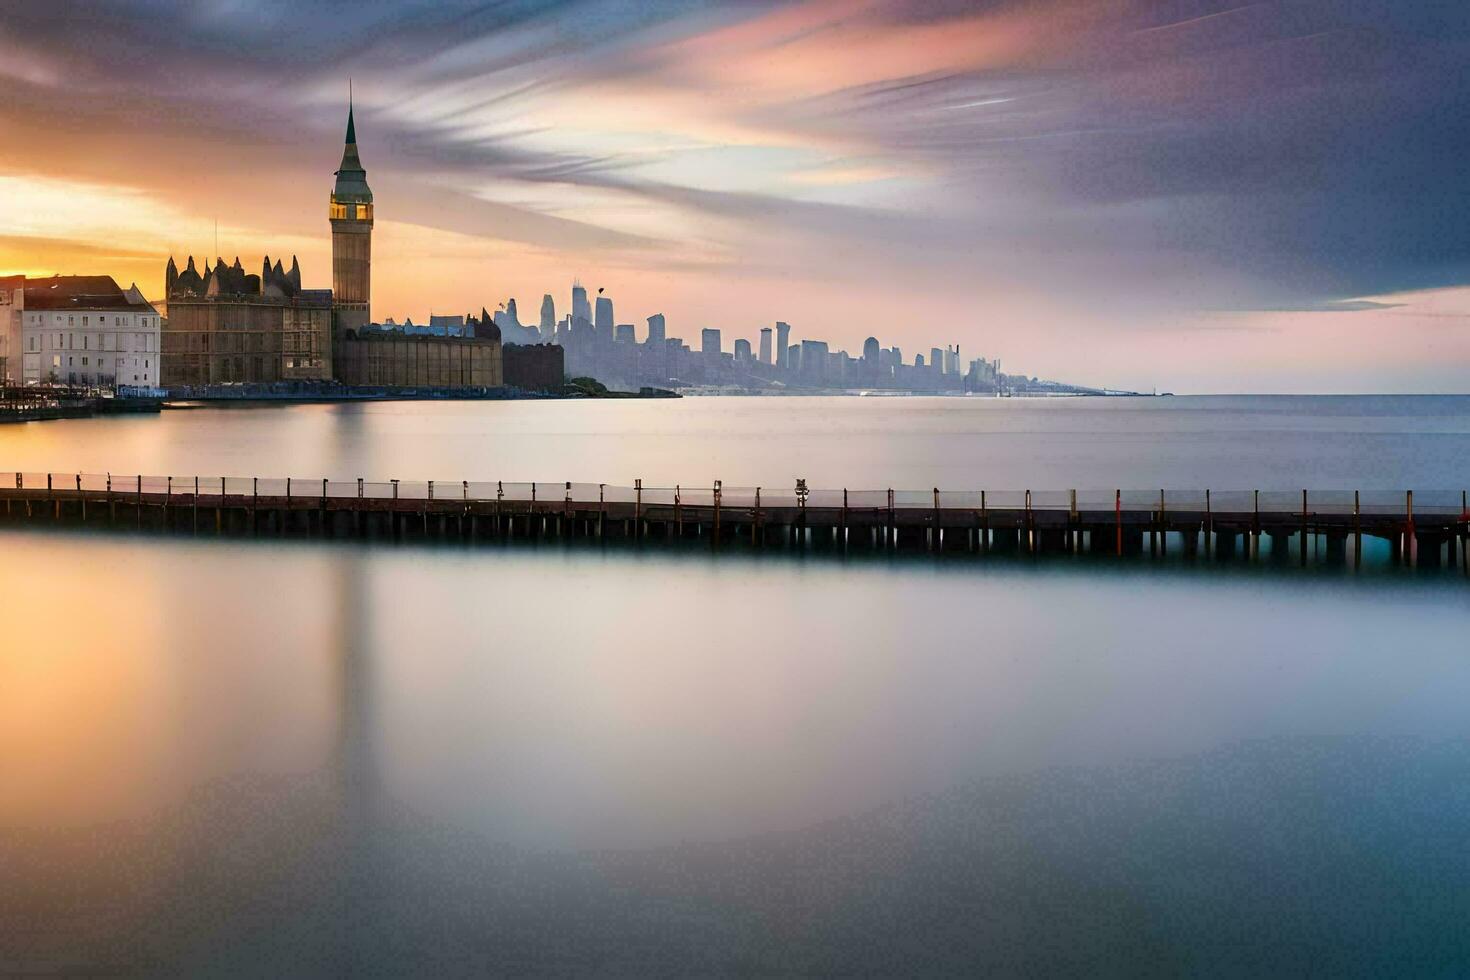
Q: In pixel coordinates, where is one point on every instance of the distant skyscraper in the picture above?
(814, 359)
(765, 345)
(783, 341)
(936, 359)
(656, 330)
(792, 360)
(604, 317)
(709, 340)
(871, 350)
(625, 334)
(580, 309)
(918, 360)
(548, 318)
(742, 350)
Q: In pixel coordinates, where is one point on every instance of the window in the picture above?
(86, 340)
(84, 321)
(84, 362)
(71, 320)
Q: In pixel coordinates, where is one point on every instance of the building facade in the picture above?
(12, 305)
(225, 326)
(85, 330)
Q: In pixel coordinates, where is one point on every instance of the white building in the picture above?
(85, 330)
(12, 302)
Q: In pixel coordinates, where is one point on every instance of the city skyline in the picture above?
(1068, 187)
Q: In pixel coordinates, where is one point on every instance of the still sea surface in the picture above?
(271, 757)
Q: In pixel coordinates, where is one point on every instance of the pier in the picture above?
(1423, 529)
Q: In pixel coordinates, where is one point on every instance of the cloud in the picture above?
(1149, 157)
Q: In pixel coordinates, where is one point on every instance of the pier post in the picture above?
(934, 528)
(1074, 535)
(601, 509)
(140, 500)
(1118, 518)
(716, 540)
(760, 525)
(111, 503)
(393, 521)
(81, 496)
(499, 497)
(1209, 527)
(56, 504)
(322, 517)
(1030, 532)
(1304, 529)
(638, 509)
(679, 510)
(196, 505)
(1255, 548)
(843, 527)
(984, 525)
(892, 527)
(1357, 533)
(1410, 544)
(1163, 527)
(254, 505)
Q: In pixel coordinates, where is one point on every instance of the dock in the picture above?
(1426, 529)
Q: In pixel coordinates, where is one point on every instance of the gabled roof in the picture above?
(100, 293)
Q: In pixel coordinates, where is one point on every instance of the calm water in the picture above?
(1369, 443)
(296, 758)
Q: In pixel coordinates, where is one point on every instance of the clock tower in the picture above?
(351, 213)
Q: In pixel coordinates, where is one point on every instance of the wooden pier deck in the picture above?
(1424, 529)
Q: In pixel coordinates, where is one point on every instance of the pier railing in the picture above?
(1424, 528)
(1408, 503)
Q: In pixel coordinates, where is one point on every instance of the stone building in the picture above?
(229, 326)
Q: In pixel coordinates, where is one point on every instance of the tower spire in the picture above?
(351, 130)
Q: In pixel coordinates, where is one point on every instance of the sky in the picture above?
(1188, 195)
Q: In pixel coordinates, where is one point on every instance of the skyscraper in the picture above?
(580, 309)
(765, 345)
(742, 350)
(351, 214)
(548, 319)
(783, 340)
(870, 352)
(709, 340)
(604, 321)
(656, 330)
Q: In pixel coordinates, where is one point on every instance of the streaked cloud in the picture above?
(959, 170)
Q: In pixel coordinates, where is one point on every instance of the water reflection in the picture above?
(318, 758)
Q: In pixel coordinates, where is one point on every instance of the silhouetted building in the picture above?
(709, 340)
(765, 345)
(625, 334)
(656, 330)
(783, 344)
(540, 367)
(742, 351)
